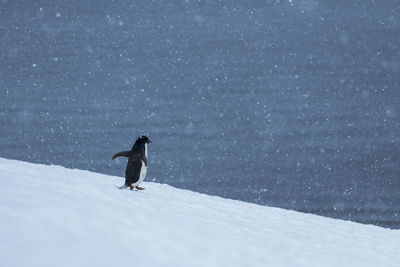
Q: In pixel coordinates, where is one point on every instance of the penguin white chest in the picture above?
(143, 169)
(143, 172)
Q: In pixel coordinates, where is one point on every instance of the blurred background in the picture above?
(285, 103)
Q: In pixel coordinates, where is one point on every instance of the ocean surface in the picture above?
(292, 104)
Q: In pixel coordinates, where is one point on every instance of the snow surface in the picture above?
(54, 216)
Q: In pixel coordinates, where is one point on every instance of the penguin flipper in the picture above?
(122, 154)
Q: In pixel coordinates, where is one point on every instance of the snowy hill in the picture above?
(54, 216)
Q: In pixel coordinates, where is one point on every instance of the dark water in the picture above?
(294, 104)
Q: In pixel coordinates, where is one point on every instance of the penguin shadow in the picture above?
(137, 188)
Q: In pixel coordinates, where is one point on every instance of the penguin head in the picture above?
(143, 140)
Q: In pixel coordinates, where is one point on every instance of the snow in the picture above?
(54, 216)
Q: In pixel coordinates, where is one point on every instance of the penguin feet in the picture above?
(131, 187)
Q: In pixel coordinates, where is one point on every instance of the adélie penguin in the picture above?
(136, 168)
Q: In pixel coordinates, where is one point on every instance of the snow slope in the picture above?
(54, 216)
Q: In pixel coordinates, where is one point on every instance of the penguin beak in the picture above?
(149, 141)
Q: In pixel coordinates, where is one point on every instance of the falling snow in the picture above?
(292, 104)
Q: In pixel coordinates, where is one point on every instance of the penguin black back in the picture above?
(140, 145)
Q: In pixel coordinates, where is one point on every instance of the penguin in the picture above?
(136, 168)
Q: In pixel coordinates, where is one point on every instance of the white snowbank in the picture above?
(53, 216)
